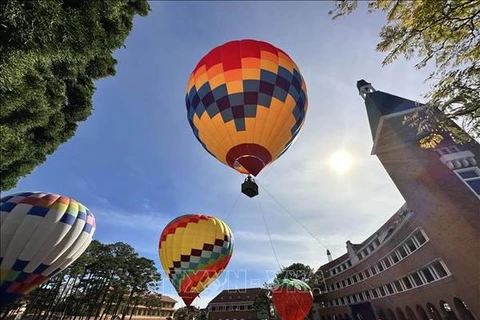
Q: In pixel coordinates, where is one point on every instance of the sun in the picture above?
(341, 161)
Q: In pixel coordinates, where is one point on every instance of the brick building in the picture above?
(424, 262)
(235, 305)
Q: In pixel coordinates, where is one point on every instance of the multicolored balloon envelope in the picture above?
(41, 234)
(246, 102)
(292, 299)
(194, 250)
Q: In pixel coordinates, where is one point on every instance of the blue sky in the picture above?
(137, 165)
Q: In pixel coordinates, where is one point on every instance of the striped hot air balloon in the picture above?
(194, 250)
(41, 234)
(246, 103)
(292, 299)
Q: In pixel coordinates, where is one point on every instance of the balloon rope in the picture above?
(268, 233)
(233, 207)
(293, 217)
(365, 281)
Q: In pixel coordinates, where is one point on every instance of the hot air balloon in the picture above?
(194, 250)
(246, 103)
(292, 299)
(41, 234)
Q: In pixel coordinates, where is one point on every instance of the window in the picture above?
(354, 297)
(332, 287)
(407, 283)
(445, 150)
(354, 278)
(371, 248)
(214, 308)
(453, 149)
(416, 278)
(439, 269)
(428, 275)
(367, 273)
(338, 285)
(349, 281)
(349, 264)
(367, 294)
(387, 262)
(420, 238)
(390, 288)
(394, 257)
(377, 242)
(227, 308)
(242, 307)
(220, 308)
(382, 291)
(250, 307)
(411, 245)
(360, 276)
(402, 252)
(343, 283)
(380, 266)
(471, 177)
(398, 285)
(375, 293)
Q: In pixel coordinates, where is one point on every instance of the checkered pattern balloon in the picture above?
(194, 250)
(41, 234)
(246, 102)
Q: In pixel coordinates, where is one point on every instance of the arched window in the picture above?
(422, 315)
(400, 314)
(447, 311)
(382, 314)
(462, 309)
(433, 312)
(410, 314)
(391, 315)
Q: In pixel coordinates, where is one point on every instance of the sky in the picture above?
(136, 164)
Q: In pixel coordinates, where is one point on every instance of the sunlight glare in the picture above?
(341, 161)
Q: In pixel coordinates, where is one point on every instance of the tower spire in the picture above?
(364, 87)
(329, 255)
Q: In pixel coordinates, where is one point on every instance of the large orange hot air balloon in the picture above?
(246, 102)
(194, 250)
(292, 299)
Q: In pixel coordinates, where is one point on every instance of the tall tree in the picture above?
(263, 304)
(443, 32)
(52, 52)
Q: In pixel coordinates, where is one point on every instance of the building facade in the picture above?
(164, 310)
(235, 305)
(424, 262)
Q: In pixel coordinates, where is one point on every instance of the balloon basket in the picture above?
(249, 187)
